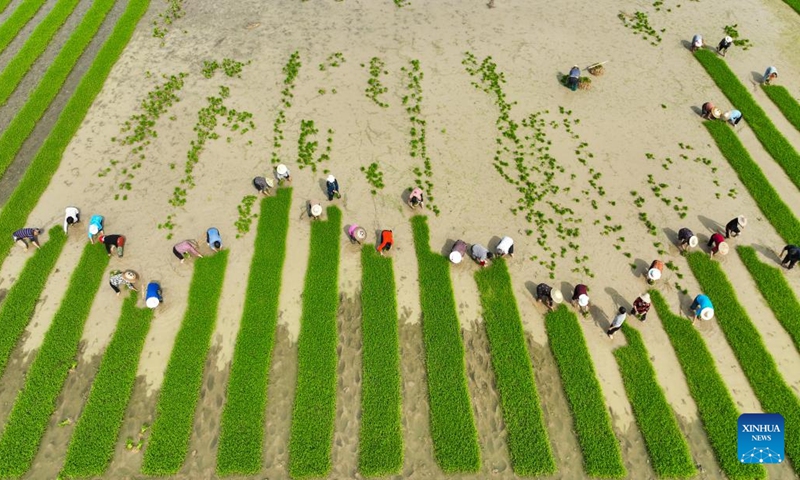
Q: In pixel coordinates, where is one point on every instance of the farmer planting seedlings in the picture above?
(686, 239)
(416, 198)
(641, 306)
(655, 271)
(263, 185)
(186, 248)
(549, 297)
(580, 298)
(71, 216)
(717, 244)
(119, 279)
(505, 247)
(710, 112)
(113, 243)
(702, 308)
(770, 75)
(724, 44)
(735, 226)
(792, 256)
(480, 254)
(95, 227)
(24, 235)
(387, 240)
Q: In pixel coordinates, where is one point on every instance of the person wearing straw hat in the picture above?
(387, 240)
(24, 235)
(548, 296)
(616, 324)
(314, 209)
(655, 271)
(95, 226)
(686, 239)
(282, 173)
(480, 254)
(580, 298)
(792, 256)
(71, 216)
(697, 42)
(702, 308)
(574, 78)
(356, 234)
(186, 248)
(717, 244)
(118, 279)
(724, 45)
(641, 306)
(214, 239)
(263, 185)
(112, 243)
(416, 198)
(333, 187)
(458, 252)
(770, 75)
(735, 226)
(710, 112)
(505, 247)
(733, 117)
(153, 296)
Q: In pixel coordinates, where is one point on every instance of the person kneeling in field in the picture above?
(481, 254)
(24, 235)
(416, 199)
(686, 239)
(655, 271)
(118, 279)
(697, 43)
(702, 308)
(282, 173)
(641, 306)
(733, 117)
(356, 234)
(113, 242)
(710, 112)
(770, 75)
(95, 226)
(186, 248)
(548, 296)
(214, 239)
(505, 247)
(735, 226)
(314, 209)
(792, 256)
(717, 244)
(387, 240)
(580, 298)
(263, 185)
(71, 216)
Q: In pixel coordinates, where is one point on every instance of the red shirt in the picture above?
(580, 289)
(716, 239)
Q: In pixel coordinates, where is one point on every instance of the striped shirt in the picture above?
(29, 233)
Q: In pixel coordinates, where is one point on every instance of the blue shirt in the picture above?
(96, 220)
(575, 72)
(212, 235)
(702, 302)
(735, 114)
(153, 290)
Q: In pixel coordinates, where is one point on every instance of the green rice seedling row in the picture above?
(3, 5)
(600, 448)
(17, 20)
(311, 436)
(666, 446)
(776, 290)
(241, 439)
(16, 310)
(43, 382)
(169, 442)
(455, 438)
(92, 446)
(380, 448)
(714, 403)
(39, 100)
(528, 443)
(785, 102)
(37, 177)
(754, 358)
(34, 46)
(773, 141)
(752, 177)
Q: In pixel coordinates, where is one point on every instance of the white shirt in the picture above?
(504, 245)
(619, 320)
(70, 212)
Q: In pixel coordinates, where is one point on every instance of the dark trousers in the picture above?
(116, 288)
(789, 261)
(572, 82)
(177, 253)
(731, 233)
(612, 330)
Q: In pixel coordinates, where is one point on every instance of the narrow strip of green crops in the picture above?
(380, 449)
(528, 442)
(169, 442)
(717, 409)
(666, 446)
(754, 358)
(314, 410)
(14, 23)
(25, 197)
(785, 102)
(4, 5)
(242, 428)
(39, 100)
(18, 306)
(33, 47)
(766, 132)
(455, 438)
(37, 400)
(752, 177)
(601, 454)
(95, 437)
(777, 292)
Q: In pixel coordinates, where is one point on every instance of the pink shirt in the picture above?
(352, 230)
(187, 247)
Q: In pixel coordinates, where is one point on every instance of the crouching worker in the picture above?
(416, 199)
(717, 244)
(24, 235)
(387, 240)
(686, 239)
(697, 43)
(186, 248)
(770, 75)
(356, 234)
(481, 254)
(735, 226)
(119, 279)
(153, 296)
(112, 243)
(710, 112)
(71, 216)
(505, 247)
(792, 256)
(333, 187)
(580, 298)
(95, 226)
(702, 308)
(458, 252)
(314, 209)
(214, 239)
(574, 78)
(655, 271)
(548, 296)
(641, 306)
(263, 185)
(733, 117)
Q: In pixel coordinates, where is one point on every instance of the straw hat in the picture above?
(455, 257)
(645, 297)
(93, 229)
(693, 241)
(316, 210)
(281, 169)
(723, 248)
(728, 39)
(583, 300)
(556, 296)
(726, 115)
(130, 275)
(331, 179)
(360, 233)
(707, 313)
(152, 302)
(741, 220)
(715, 112)
(654, 274)
(270, 183)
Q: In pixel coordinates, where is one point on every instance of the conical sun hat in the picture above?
(723, 248)
(93, 229)
(331, 178)
(455, 256)
(130, 275)
(693, 241)
(281, 169)
(716, 112)
(728, 40)
(360, 233)
(654, 274)
(556, 296)
(583, 300)
(707, 313)
(726, 115)
(316, 210)
(645, 297)
(741, 220)
(270, 183)
(152, 302)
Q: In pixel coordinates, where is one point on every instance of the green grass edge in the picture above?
(785, 102)
(15, 22)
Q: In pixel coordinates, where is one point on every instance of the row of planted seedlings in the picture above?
(44, 165)
(785, 102)
(23, 14)
(53, 79)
